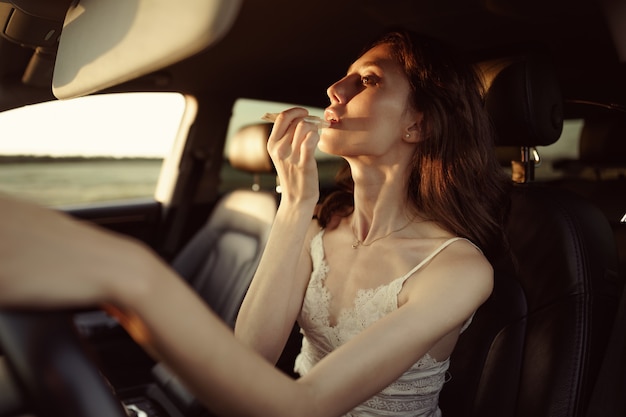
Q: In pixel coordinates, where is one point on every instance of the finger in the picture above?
(309, 145)
(286, 121)
(279, 144)
(306, 137)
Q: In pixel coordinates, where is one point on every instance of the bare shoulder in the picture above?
(460, 271)
(464, 253)
(465, 263)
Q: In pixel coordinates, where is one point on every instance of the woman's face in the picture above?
(369, 108)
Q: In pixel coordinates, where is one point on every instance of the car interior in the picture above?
(549, 341)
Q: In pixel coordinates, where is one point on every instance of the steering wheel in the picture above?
(52, 368)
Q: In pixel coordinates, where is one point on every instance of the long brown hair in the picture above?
(455, 178)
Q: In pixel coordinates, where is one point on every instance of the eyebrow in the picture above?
(366, 64)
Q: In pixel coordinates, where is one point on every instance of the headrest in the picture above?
(248, 149)
(524, 101)
(603, 140)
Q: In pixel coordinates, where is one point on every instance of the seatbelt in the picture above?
(609, 394)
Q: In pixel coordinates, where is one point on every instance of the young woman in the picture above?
(382, 282)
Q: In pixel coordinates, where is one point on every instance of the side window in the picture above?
(565, 149)
(97, 148)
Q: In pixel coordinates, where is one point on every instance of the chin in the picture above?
(327, 145)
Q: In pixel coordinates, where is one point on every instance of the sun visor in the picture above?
(108, 42)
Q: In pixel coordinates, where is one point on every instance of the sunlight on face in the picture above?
(369, 107)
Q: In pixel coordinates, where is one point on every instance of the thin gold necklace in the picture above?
(357, 242)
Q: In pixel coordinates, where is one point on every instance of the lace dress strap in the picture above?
(435, 253)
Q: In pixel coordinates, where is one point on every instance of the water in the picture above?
(67, 183)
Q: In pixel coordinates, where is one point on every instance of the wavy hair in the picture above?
(455, 178)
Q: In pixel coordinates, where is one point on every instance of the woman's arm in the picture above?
(49, 261)
(232, 379)
(275, 296)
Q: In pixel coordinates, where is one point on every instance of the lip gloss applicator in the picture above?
(321, 123)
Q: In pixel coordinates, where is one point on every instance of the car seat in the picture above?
(535, 346)
(599, 173)
(221, 258)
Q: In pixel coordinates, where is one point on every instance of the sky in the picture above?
(130, 125)
(118, 125)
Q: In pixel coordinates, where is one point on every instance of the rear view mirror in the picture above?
(108, 42)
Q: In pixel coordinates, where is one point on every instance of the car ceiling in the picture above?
(291, 51)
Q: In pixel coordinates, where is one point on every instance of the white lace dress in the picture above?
(416, 392)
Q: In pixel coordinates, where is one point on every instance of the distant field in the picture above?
(56, 183)
(70, 181)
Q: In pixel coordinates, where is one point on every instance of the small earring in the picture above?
(408, 135)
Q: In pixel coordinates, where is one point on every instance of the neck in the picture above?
(380, 201)
(378, 213)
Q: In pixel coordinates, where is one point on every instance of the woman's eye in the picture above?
(369, 80)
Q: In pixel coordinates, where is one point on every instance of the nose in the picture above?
(336, 92)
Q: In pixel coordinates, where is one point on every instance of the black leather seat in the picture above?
(599, 174)
(535, 347)
(220, 260)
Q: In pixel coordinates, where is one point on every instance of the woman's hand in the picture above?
(48, 260)
(292, 147)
